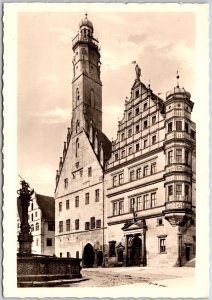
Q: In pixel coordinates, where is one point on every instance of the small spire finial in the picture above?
(86, 15)
(149, 84)
(177, 76)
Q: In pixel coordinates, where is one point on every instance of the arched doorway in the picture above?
(88, 256)
(136, 252)
(99, 258)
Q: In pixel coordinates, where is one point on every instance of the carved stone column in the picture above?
(25, 237)
(179, 259)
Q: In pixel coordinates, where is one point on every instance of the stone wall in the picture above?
(41, 268)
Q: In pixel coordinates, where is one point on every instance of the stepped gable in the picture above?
(47, 206)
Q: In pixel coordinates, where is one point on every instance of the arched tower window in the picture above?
(77, 147)
(77, 126)
(77, 94)
(92, 98)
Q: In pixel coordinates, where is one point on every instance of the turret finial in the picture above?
(177, 76)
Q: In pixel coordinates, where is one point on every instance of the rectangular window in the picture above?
(92, 222)
(77, 254)
(145, 106)
(89, 172)
(145, 143)
(139, 203)
(145, 171)
(121, 207)
(114, 180)
(77, 224)
(132, 205)
(178, 191)
(87, 225)
(162, 245)
(37, 242)
(138, 173)
(97, 195)
(68, 225)
(36, 214)
(60, 206)
(122, 153)
(136, 94)
(32, 217)
(186, 127)
(67, 204)
(153, 139)
(179, 125)
(98, 223)
(187, 192)
(67, 254)
(170, 127)
(60, 226)
(159, 221)
(77, 201)
(137, 111)
(50, 226)
(186, 157)
(66, 183)
(122, 136)
(115, 209)
(179, 155)
(153, 199)
(49, 242)
(170, 157)
(87, 198)
(61, 255)
(137, 147)
(145, 124)
(153, 120)
(170, 192)
(153, 168)
(130, 150)
(137, 129)
(130, 132)
(132, 175)
(116, 156)
(146, 201)
(121, 178)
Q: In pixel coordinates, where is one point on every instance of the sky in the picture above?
(161, 43)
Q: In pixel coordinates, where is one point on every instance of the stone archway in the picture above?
(136, 252)
(88, 256)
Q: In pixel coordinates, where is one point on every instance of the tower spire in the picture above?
(177, 76)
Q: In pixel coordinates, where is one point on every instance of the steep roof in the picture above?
(46, 204)
(106, 144)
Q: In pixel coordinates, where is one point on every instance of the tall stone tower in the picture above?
(86, 84)
(79, 194)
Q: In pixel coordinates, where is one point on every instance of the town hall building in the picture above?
(130, 201)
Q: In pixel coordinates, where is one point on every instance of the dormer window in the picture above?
(145, 106)
(129, 115)
(130, 132)
(145, 124)
(136, 94)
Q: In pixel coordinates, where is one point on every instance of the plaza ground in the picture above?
(137, 276)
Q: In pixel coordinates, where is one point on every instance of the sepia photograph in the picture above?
(106, 150)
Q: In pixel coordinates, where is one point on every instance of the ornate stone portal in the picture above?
(25, 237)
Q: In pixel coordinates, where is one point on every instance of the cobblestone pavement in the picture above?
(138, 276)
